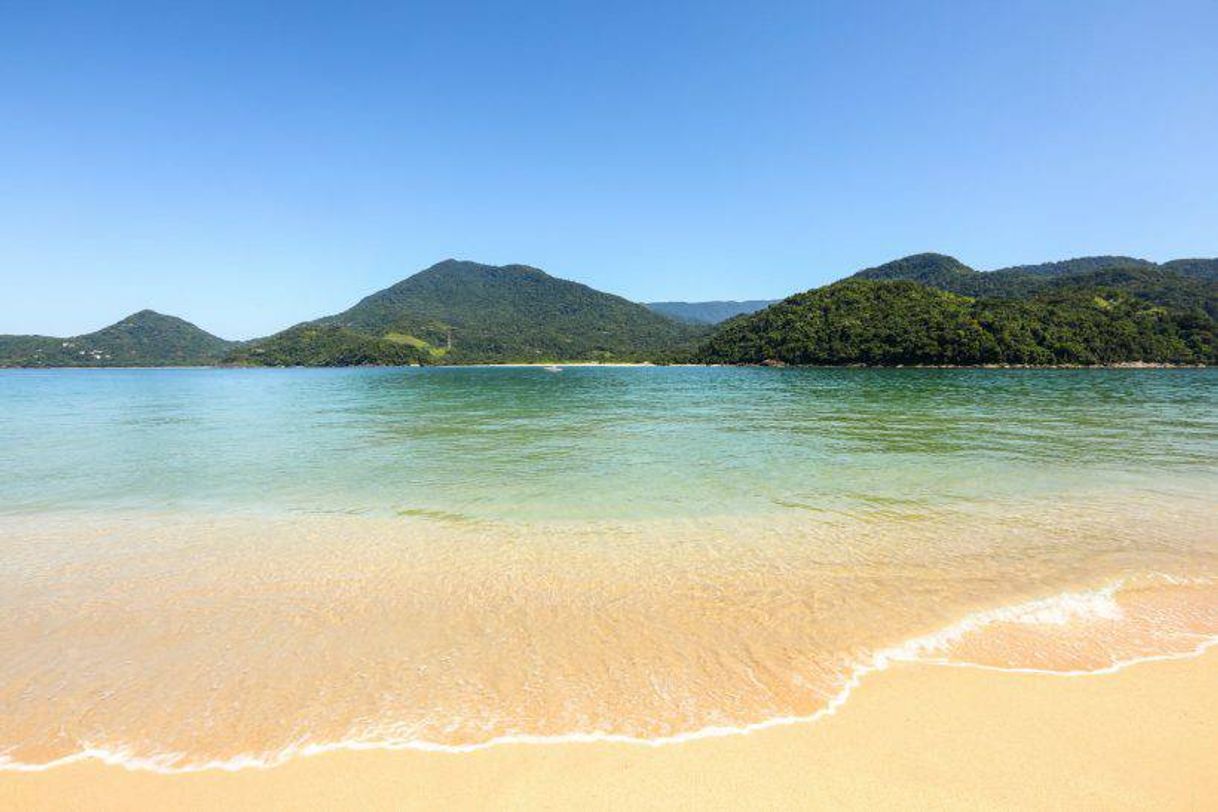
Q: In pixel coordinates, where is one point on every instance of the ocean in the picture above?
(206, 568)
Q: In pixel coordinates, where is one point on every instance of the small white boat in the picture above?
(552, 368)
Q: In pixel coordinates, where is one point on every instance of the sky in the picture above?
(250, 165)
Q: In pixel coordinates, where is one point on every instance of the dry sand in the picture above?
(914, 736)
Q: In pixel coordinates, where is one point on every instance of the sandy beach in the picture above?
(917, 735)
(315, 593)
(634, 406)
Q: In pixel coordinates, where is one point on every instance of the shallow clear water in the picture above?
(234, 566)
(592, 443)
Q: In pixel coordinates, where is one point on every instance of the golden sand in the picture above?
(917, 736)
(202, 640)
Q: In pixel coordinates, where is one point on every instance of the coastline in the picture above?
(568, 617)
(430, 574)
(1124, 365)
(916, 735)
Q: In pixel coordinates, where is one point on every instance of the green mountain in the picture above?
(936, 270)
(893, 322)
(708, 312)
(1078, 265)
(947, 273)
(1198, 268)
(1154, 284)
(934, 309)
(146, 338)
(921, 309)
(464, 312)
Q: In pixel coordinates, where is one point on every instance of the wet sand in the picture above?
(177, 642)
(915, 736)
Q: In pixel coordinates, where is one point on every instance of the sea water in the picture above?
(212, 567)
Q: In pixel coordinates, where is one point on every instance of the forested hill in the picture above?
(146, 338)
(708, 312)
(896, 322)
(1155, 285)
(948, 273)
(462, 312)
(921, 309)
(1198, 268)
(318, 345)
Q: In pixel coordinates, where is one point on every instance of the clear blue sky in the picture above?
(250, 165)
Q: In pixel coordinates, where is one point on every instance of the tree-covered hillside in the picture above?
(1073, 267)
(948, 273)
(1198, 268)
(470, 312)
(1156, 285)
(861, 321)
(936, 270)
(146, 338)
(921, 309)
(312, 345)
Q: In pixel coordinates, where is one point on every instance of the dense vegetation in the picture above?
(708, 312)
(467, 312)
(1197, 268)
(311, 345)
(146, 338)
(947, 273)
(862, 321)
(1154, 285)
(923, 309)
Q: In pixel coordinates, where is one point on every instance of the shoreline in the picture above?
(917, 734)
(1122, 365)
(930, 644)
(929, 649)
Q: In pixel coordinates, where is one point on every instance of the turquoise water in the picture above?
(475, 443)
(215, 567)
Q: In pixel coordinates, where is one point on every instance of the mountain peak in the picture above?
(451, 264)
(930, 256)
(145, 338)
(146, 316)
(472, 268)
(919, 267)
(465, 310)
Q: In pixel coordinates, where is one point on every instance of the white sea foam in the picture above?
(1067, 607)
